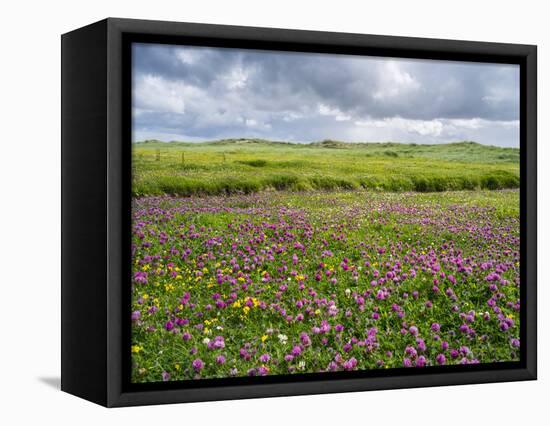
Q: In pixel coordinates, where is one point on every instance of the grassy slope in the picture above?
(236, 166)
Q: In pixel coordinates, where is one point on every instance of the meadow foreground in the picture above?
(301, 282)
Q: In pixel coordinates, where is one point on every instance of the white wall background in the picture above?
(30, 211)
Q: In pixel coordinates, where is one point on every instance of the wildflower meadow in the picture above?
(252, 258)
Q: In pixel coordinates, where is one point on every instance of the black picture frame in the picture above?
(96, 168)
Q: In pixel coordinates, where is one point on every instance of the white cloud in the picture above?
(236, 79)
(142, 135)
(333, 112)
(394, 81)
(421, 127)
(291, 116)
(153, 93)
(479, 123)
(471, 123)
(188, 56)
(439, 130)
(255, 124)
(437, 126)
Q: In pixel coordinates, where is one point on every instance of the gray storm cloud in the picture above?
(198, 93)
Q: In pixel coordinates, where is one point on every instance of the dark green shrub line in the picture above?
(253, 163)
(185, 186)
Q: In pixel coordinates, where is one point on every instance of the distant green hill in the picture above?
(250, 165)
(463, 151)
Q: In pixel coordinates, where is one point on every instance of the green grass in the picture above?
(250, 165)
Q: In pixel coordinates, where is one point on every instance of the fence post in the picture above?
(183, 158)
(158, 154)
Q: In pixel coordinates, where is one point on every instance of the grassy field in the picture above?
(261, 258)
(248, 166)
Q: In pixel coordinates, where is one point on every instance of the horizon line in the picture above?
(282, 142)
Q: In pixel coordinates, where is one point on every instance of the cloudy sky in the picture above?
(197, 93)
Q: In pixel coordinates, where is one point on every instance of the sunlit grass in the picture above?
(248, 166)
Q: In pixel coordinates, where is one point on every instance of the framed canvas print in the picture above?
(253, 212)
